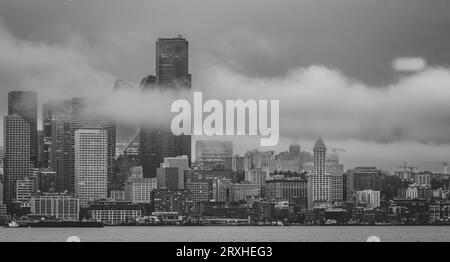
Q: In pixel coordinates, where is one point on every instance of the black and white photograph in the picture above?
(224, 121)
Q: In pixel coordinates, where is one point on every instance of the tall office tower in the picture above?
(172, 62)
(172, 71)
(60, 158)
(91, 164)
(17, 154)
(321, 180)
(167, 178)
(336, 171)
(51, 112)
(81, 119)
(211, 154)
(24, 104)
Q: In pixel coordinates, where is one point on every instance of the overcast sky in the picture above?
(296, 50)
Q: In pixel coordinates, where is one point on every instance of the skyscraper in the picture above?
(321, 181)
(24, 104)
(91, 164)
(172, 62)
(172, 71)
(17, 154)
(80, 118)
(52, 113)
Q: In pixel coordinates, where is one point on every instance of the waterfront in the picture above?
(230, 234)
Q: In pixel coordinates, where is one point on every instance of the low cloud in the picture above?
(313, 101)
(409, 64)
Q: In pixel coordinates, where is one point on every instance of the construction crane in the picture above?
(443, 163)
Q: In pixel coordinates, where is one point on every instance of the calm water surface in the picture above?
(230, 233)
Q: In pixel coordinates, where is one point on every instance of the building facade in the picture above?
(17, 154)
(91, 164)
(59, 206)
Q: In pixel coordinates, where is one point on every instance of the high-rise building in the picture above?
(47, 181)
(211, 154)
(24, 104)
(80, 118)
(17, 161)
(172, 62)
(172, 71)
(91, 164)
(40, 149)
(168, 178)
(52, 114)
(336, 171)
(180, 162)
(321, 181)
(363, 178)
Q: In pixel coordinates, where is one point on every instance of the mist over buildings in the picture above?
(383, 123)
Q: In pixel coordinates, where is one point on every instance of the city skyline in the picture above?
(402, 61)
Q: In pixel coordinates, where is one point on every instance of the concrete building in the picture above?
(17, 154)
(237, 163)
(172, 72)
(287, 189)
(180, 162)
(56, 205)
(139, 190)
(363, 178)
(222, 189)
(25, 189)
(91, 164)
(240, 192)
(24, 104)
(173, 200)
(168, 178)
(321, 180)
(370, 198)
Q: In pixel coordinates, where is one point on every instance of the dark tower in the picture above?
(172, 71)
